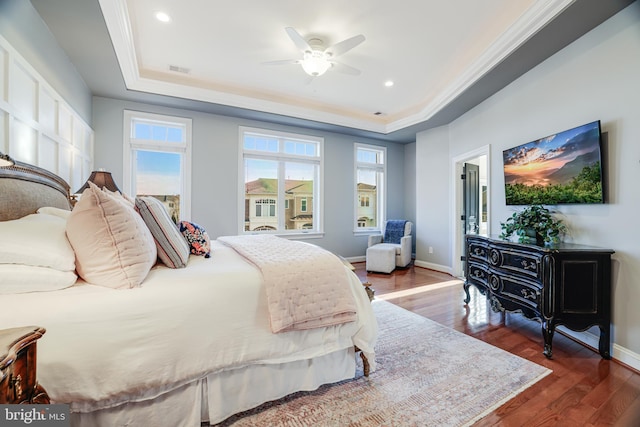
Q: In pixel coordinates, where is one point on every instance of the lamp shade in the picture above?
(5, 160)
(102, 179)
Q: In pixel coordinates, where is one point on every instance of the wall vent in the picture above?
(179, 69)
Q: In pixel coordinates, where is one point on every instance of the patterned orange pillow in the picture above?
(197, 238)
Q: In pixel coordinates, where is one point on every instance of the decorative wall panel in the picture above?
(37, 126)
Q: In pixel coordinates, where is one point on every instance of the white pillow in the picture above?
(18, 278)
(36, 240)
(50, 210)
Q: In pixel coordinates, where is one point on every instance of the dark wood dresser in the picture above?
(562, 284)
(18, 358)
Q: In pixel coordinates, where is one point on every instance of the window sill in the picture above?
(369, 232)
(292, 236)
(302, 236)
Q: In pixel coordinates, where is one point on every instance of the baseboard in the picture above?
(626, 356)
(363, 258)
(417, 263)
(619, 353)
(432, 266)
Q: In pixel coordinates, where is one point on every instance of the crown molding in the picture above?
(116, 16)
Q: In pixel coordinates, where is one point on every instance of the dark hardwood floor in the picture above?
(583, 390)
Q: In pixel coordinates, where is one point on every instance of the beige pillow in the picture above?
(113, 246)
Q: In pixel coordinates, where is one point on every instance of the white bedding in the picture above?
(305, 285)
(106, 347)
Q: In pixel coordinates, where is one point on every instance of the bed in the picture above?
(188, 345)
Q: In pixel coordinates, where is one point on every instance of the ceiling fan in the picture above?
(316, 59)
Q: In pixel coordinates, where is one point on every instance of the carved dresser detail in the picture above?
(563, 284)
(18, 358)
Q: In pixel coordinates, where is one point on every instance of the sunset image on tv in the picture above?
(560, 168)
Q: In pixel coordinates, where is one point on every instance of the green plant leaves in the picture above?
(536, 220)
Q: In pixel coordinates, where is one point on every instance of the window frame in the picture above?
(131, 144)
(381, 207)
(282, 158)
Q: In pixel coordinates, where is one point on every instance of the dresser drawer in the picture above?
(513, 261)
(477, 250)
(523, 292)
(18, 359)
(478, 274)
(18, 382)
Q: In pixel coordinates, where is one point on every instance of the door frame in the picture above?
(458, 203)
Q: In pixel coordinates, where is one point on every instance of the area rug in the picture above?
(427, 375)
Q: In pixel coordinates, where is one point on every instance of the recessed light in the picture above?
(388, 83)
(163, 17)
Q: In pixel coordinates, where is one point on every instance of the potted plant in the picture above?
(534, 222)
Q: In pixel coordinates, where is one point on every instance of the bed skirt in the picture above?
(219, 395)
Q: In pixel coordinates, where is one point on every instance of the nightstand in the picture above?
(18, 358)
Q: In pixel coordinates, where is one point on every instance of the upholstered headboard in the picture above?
(24, 188)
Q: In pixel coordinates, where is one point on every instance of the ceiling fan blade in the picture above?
(344, 69)
(282, 62)
(297, 39)
(345, 45)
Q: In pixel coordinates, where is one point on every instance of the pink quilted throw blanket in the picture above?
(307, 287)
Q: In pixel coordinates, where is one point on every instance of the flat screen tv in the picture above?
(562, 168)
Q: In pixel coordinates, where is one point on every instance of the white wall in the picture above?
(594, 78)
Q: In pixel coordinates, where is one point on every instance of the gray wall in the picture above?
(21, 25)
(215, 151)
(410, 188)
(215, 171)
(433, 199)
(594, 78)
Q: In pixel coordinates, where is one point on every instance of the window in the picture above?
(157, 150)
(370, 168)
(265, 207)
(281, 176)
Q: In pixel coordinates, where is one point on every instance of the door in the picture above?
(470, 204)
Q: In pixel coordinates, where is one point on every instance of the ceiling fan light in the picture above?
(315, 63)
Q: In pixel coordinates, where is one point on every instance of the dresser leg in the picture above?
(605, 342)
(466, 291)
(40, 395)
(547, 334)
